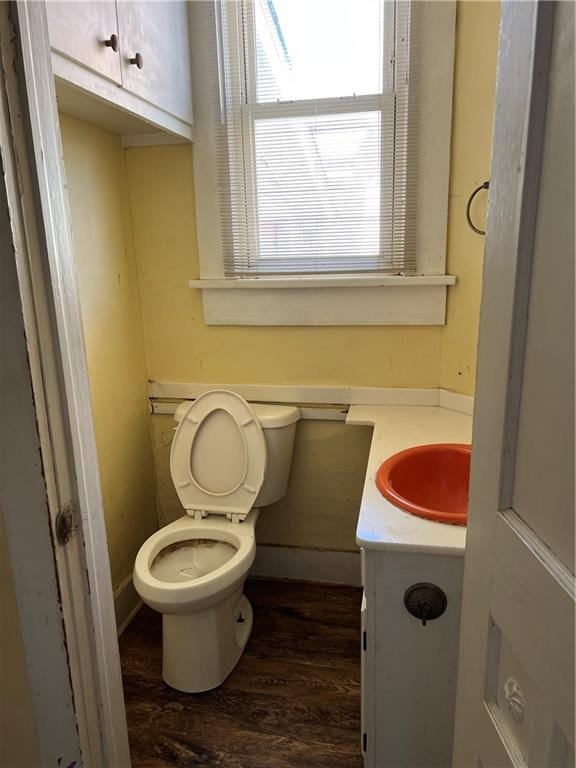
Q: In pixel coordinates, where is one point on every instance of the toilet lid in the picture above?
(218, 455)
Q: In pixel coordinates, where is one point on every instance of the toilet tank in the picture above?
(279, 425)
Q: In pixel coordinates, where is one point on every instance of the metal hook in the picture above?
(486, 185)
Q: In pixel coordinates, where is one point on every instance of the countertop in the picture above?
(381, 525)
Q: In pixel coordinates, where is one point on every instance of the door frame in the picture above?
(65, 601)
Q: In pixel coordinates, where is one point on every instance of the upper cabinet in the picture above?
(124, 65)
(87, 33)
(156, 54)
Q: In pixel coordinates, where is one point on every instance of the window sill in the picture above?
(325, 300)
(321, 281)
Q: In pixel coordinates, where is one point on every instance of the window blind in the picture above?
(316, 165)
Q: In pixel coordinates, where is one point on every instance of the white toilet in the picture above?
(227, 458)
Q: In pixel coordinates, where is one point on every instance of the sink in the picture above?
(430, 481)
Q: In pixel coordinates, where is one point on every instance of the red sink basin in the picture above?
(430, 481)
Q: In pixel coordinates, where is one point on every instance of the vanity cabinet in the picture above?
(412, 577)
(408, 669)
(123, 65)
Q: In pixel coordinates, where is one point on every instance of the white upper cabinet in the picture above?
(123, 65)
(156, 54)
(87, 33)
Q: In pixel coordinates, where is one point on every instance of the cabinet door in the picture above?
(158, 32)
(78, 31)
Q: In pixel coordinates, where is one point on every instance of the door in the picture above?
(156, 54)
(515, 702)
(79, 31)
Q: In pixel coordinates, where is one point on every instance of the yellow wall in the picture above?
(180, 347)
(111, 315)
(474, 84)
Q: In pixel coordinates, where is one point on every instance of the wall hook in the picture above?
(486, 185)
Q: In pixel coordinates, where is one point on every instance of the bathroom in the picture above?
(353, 369)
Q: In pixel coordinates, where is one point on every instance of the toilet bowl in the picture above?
(226, 457)
(193, 573)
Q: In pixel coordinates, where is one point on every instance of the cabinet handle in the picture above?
(112, 42)
(138, 60)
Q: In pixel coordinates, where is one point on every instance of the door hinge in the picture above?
(364, 742)
(65, 523)
(364, 641)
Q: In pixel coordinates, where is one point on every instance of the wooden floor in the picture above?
(293, 701)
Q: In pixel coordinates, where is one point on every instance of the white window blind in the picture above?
(314, 139)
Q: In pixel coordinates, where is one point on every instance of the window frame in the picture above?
(329, 299)
(242, 26)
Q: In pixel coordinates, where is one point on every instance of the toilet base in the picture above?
(202, 648)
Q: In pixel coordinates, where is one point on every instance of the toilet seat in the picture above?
(218, 456)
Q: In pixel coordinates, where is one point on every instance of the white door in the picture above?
(79, 31)
(515, 702)
(156, 54)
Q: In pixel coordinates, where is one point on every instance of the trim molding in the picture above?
(86, 94)
(88, 727)
(320, 402)
(396, 304)
(152, 140)
(324, 281)
(454, 401)
(315, 395)
(127, 603)
(302, 564)
(314, 413)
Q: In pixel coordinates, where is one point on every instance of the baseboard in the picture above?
(302, 564)
(126, 604)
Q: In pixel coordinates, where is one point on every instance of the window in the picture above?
(313, 151)
(311, 138)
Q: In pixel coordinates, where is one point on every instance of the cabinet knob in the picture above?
(425, 602)
(112, 42)
(138, 60)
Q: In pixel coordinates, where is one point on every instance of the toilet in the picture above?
(228, 459)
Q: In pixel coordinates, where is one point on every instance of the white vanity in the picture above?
(408, 669)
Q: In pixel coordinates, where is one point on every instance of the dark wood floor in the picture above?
(293, 701)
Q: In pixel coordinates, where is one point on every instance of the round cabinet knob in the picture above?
(112, 42)
(425, 601)
(137, 60)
